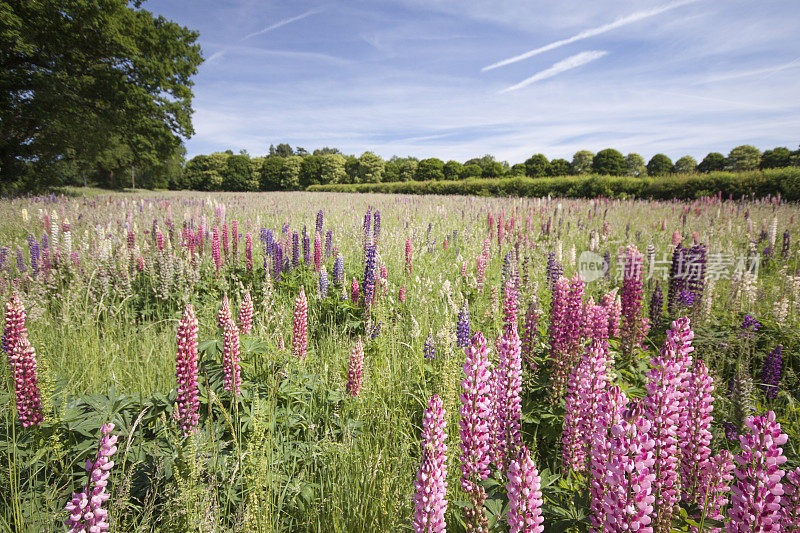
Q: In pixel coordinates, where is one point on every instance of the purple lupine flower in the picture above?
(338, 270)
(524, 495)
(430, 497)
(756, 495)
(376, 226)
(771, 373)
(306, 247)
(376, 330)
(86, 513)
(790, 501)
(369, 275)
(554, 270)
(320, 218)
(20, 260)
(786, 244)
(277, 261)
(295, 250)
(328, 244)
(510, 305)
(685, 299)
(462, 327)
(428, 349)
(656, 305)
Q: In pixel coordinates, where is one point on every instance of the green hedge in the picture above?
(782, 181)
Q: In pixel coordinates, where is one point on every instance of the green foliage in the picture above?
(634, 165)
(685, 165)
(311, 171)
(776, 158)
(290, 173)
(659, 165)
(370, 168)
(536, 166)
(471, 171)
(744, 157)
(609, 162)
(582, 162)
(237, 175)
(452, 170)
(493, 169)
(713, 162)
(332, 168)
(270, 173)
(559, 167)
(785, 182)
(430, 169)
(95, 84)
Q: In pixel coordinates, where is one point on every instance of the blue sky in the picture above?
(457, 79)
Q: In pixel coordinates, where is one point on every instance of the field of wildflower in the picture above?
(332, 362)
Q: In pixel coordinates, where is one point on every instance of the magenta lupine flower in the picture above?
(475, 414)
(409, 257)
(634, 324)
(225, 247)
(224, 315)
(246, 313)
(585, 392)
(613, 306)
(300, 329)
(317, 251)
(508, 406)
(86, 513)
(530, 331)
(695, 433)
(430, 498)
(480, 269)
(790, 501)
(235, 241)
(574, 317)
(22, 360)
(14, 323)
(230, 358)
(565, 322)
(187, 402)
(716, 486)
(355, 369)
(676, 238)
(354, 289)
(629, 476)
(663, 409)
(401, 294)
(248, 250)
(608, 414)
(524, 495)
(215, 252)
(510, 305)
(756, 494)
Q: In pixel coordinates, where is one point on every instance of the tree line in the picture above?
(285, 168)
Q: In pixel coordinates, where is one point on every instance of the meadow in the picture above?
(302, 361)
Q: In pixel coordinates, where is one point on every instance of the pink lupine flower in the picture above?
(716, 486)
(224, 315)
(629, 476)
(354, 289)
(235, 241)
(26, 387)
(86, 513)
(140, 263)
(756, 495)
(480, 269)
(508, 406)
(300, 333)
(401, 295)
(676, 238)
(409, 257)
(317, 252)
(225, 247)
(215, 252)
(695, 433)
(464, 266)
(230, 358)
(524, 495)
(187, 402)
(475, 414)
(634, 324)
(14, 322)
(246, 314)
(573, 318)
(790, 501)
(613, 306)
(430, 498)
(510, 306)
(607, 415)
(355, 369)
(248, 250)
(584, 393)
(566, 312)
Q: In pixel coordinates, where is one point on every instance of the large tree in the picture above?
(634, 165)
(430, 169)
(80, 78)
(609, 162)
(744, 157)
(776, 158)
(582, 162)
(685, 165)
(536, 165)
(659, 165)
(711, 162)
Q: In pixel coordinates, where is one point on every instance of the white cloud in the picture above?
(630, 19)
(562, 66)
(283, 22)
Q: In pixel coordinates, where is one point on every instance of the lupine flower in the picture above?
(225, 245)
(22, 360)
(409, 258)
(695, 434)
(607, 415)
(338, 270)
(462, 327)
(508, 406)
(558, 331)
(320, 218)
(634, 325)
(613, 305)
(656, 305)
(376, 331)
(295, 250)
(306, 247)
(786, 244)
(716, 486)
(215, 252)
(376, 225)
(230, 358)
(317, 251)
(246, 313)
(554, 270)
(749, 327)
(524, 495)
(323, 282)
(328, 244)
(14, 323)
(224, 315)
(401, 294)
(369, 275)
(480, 268)
(428, 349)
(86, 513)
(530, 330)
(355, 369)
(771, 373)
(354, 288)
(510, 305)
(430, 497)
(187, 402)
(248, 250)
(475, 414)
(300, 330)
(790, 501)
(756, 495)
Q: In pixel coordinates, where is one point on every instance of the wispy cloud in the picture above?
(562, 66)
(754, 72)
(630, 19)
(282, 23)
